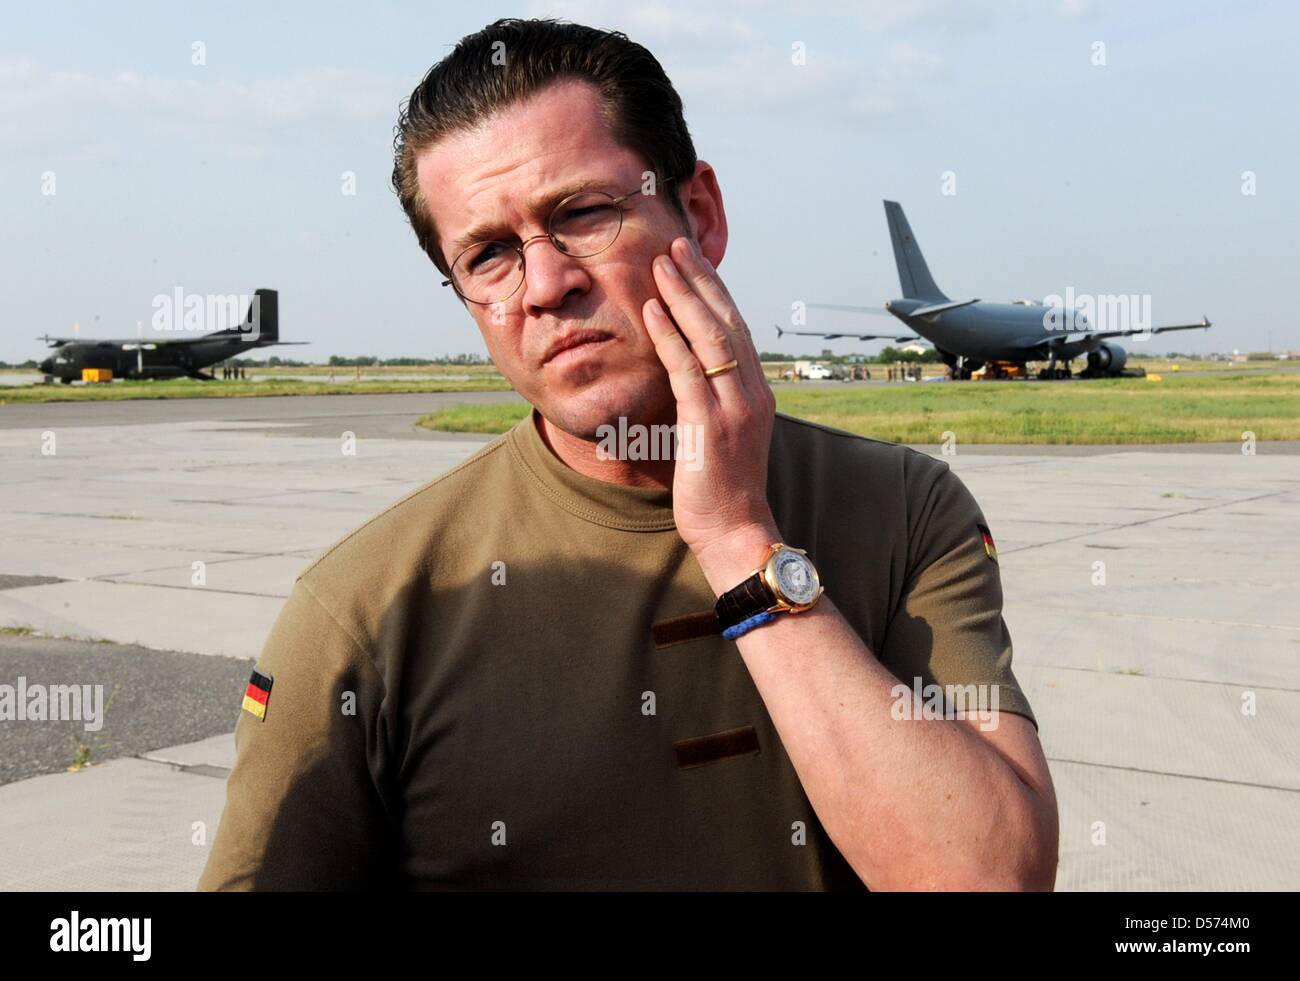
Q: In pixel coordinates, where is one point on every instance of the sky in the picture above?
(1098, 146)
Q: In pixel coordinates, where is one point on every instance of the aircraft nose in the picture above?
(47, 366)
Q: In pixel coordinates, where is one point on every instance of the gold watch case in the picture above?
(784, 603)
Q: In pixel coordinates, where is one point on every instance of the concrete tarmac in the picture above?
(388, 416)
(1150, 596)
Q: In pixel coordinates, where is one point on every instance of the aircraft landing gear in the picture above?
(1051, 372)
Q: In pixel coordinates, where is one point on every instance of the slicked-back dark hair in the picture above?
(639, 104)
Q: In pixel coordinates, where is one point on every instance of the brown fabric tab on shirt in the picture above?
(700, 750)
(679, 630)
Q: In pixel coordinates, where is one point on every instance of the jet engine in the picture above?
(1108, 359)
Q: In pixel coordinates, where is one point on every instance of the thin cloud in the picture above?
(722, 61)
(42, 107)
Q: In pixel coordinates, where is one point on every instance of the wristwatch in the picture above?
(786, 583)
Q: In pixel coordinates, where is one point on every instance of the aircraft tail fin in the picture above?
(913, 273)
(263, 317)
(261, 321)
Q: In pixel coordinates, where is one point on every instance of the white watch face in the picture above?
(796, 579)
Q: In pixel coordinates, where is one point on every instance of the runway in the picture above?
(1150, 596)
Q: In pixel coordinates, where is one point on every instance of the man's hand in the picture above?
(720, 494)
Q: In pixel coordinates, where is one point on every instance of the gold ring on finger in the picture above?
(721, 369)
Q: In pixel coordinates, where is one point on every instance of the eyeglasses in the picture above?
(582, 225)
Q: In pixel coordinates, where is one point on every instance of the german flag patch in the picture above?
(990, 549)
(257, 694)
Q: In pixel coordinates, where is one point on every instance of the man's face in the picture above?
(508, 175)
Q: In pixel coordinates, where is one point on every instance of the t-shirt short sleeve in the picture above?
(947, 629)
(303, 809)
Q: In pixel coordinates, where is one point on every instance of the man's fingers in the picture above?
(685, 374)
(706, 335)
(713, 293)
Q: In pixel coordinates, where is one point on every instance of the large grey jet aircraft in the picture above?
(969, 333)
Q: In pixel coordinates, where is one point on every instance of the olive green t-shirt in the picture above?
(464, 693)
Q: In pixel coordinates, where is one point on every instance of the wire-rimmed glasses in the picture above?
(584, 224)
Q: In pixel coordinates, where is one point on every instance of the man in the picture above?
(515, 678)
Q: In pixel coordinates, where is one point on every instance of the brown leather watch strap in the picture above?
(749, 598)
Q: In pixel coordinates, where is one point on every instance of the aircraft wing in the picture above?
(920, 312)
(254, 340)
(129, 343)
(150, 343)
(1059, 339)
(839, 333)
(1203, 325)
(845, 309)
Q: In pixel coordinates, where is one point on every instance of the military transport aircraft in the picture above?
(168, 357)
(969, 333)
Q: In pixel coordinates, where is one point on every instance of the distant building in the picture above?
(914, 348)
